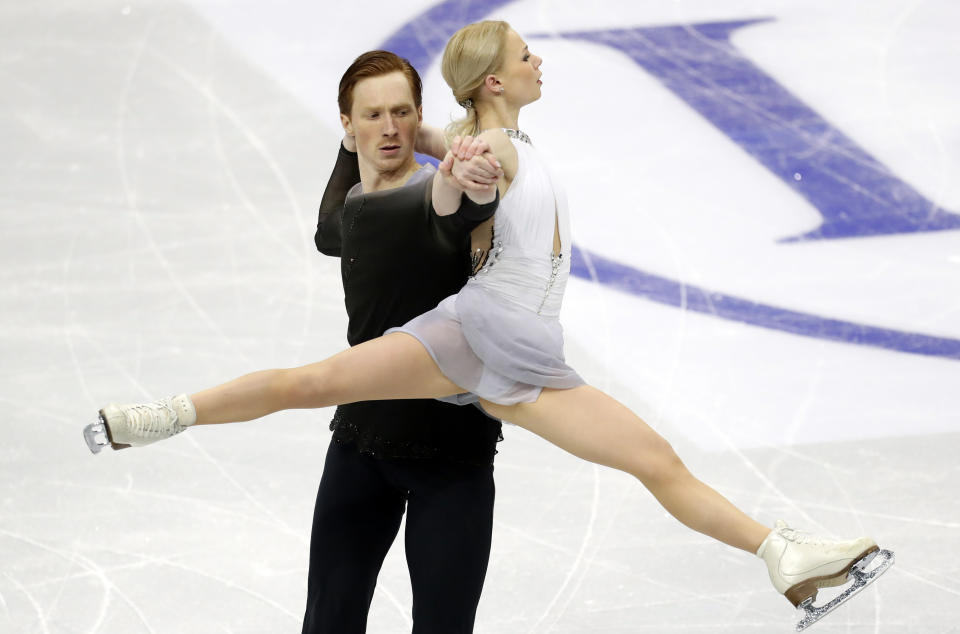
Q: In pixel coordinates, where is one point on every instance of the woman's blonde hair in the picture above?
(473, 52)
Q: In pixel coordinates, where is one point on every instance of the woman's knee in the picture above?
(660, 464)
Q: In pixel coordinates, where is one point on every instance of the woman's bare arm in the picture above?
(502, 148)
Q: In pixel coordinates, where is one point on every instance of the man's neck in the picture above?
(374, 180)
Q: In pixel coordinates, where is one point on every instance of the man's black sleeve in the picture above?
(468, 216)
(346, 174)
(475, 213)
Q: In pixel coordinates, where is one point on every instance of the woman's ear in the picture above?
(493, 84)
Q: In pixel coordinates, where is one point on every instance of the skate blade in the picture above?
(861, 577)
(97, 436)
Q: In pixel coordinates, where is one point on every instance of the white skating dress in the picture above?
(500, 337)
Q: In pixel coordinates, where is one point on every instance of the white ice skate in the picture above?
(800, 564)
(134, 425)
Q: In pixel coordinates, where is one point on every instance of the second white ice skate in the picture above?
(135, 425)
(800, 564)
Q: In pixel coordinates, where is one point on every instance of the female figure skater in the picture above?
(499, 342)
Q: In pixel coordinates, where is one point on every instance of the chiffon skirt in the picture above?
(492, 348)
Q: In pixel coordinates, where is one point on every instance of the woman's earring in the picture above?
(501, 90)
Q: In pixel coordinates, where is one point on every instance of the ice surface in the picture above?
(161, 167)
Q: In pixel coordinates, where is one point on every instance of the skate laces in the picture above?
(153, 419)
(801, 537)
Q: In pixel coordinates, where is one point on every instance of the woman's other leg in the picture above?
(594, 426)
(389, 367)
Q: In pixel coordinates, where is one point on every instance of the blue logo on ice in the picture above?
(856, 195)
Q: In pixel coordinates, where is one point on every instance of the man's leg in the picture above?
(449, 526)
(356, 518)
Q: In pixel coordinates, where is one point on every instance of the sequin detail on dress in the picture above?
(556, 261)
(518, 135)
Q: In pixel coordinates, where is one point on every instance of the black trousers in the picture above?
(359, 507)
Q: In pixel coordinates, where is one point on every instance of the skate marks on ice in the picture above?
(224, 523)
(115, 181)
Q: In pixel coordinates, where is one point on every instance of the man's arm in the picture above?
(346, 174)
(430, 141)
(458, 225)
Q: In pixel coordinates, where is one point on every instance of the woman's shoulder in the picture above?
(503, 148)
(495, 135)
(499, 140)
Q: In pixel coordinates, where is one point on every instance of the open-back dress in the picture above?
(500, 337)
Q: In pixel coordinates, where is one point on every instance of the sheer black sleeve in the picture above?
(474, 213)
(466, 218)
(346, 174)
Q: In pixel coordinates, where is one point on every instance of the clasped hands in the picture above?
(470, 166)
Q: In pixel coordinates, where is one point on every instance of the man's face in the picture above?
(384, 121)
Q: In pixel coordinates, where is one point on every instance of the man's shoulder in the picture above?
(423, 177)
(356, 190)
(417, 181)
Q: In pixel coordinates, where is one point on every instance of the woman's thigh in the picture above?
(591, 425)
(394, 366)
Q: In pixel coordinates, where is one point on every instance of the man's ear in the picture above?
(420, 116)
(345, 122)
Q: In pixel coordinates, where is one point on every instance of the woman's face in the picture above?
(520, 74)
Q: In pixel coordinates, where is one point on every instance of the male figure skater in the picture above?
(398, 260)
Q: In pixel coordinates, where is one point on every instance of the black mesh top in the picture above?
(399, 259)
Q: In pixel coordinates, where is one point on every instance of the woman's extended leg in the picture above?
(388, 367)
(594, 426)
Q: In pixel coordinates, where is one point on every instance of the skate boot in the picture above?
(134, 425)
(800, 564)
